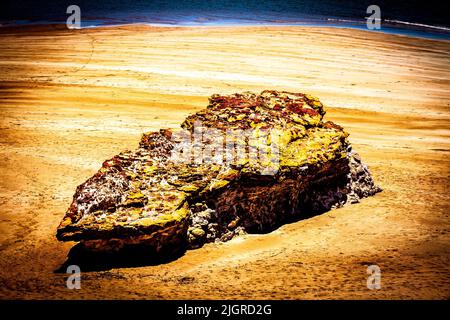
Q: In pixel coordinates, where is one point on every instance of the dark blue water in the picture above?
(423, 19)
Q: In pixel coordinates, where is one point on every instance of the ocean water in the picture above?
(414, 18)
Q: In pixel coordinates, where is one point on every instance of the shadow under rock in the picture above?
(127, 257)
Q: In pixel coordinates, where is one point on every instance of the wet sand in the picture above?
(71, 99)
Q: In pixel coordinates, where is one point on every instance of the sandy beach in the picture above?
(69, 99)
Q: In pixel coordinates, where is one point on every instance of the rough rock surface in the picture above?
(246, 164)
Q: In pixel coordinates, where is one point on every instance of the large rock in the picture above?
(246, 163)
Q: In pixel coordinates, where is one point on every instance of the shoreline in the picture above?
(434, 34)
